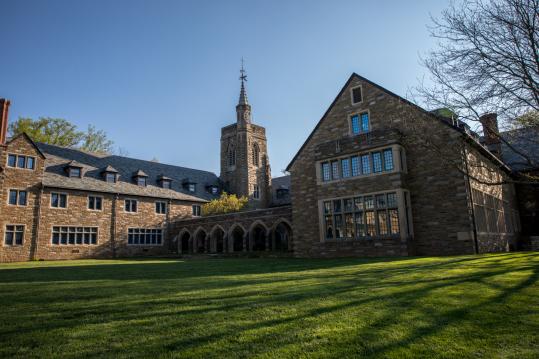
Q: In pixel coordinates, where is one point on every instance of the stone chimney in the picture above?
(4, 107)
(489, 121)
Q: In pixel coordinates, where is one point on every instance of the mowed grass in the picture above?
(467, 306)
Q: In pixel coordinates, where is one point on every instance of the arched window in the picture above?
(231, 156)
(256, 155)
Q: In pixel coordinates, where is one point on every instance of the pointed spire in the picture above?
(243, 93)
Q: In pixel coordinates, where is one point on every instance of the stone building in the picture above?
(362, 184)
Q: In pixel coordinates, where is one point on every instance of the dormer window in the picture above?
(141, 181)
(110, 174)
(110, 177)
(213, 189)
(141, 178)
(74, 169)
(164, 182)
(74, 172)
(189, 185)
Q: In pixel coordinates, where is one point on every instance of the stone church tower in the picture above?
(245, 168)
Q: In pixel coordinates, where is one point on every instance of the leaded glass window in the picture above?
(365, 164)
(355, 166)
(377, 162)
(388, 160)
(356, 129)
(345, 167)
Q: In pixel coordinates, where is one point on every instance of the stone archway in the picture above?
(258, 236)
(237, 235)
(282, 236)
(184, 242)
(199, 245)
(217, 238)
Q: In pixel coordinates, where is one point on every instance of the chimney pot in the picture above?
(489, 121)
(4, 108)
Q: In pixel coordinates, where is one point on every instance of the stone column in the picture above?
(207, 244)
(244, 248)
(267, 240)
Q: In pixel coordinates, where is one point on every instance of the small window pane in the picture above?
(12, 160)
(365, 164)
(21, 162)
(326, 176)
(380, 201)
(355, 125)
(345, 168)
(329, 227)
(9, 238)
(388, 160)
(364, 122)
(358, 203)
(394, 221)
(377, 162)
(369, 202)
(392, 199)
(334, 170)
(355, 166)
(348, 205)
(382, 222)
(30, 163)
(338, 226)
(337, 206)
(327, 207)
(22, 198)
(370, 223)
(63, 200)
(13, 197)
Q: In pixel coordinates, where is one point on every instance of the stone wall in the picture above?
(20, 179)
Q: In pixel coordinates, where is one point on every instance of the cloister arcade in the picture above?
(256, 235)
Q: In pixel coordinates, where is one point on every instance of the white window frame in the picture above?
(102, 203)
(60, 244)
(14, 232)
(163, 203)
(18, 196)
(146, 244)
(199, 210)
(59, 194)
(131, 199)
(17, 155)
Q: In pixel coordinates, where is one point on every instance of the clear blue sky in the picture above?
(161, 77)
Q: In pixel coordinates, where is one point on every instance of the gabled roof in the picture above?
(458, 126)
(140, 173)
(95, 164)
(76, 164)
(29, 140)
(110, 169)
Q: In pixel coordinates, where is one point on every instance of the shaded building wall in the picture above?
(433, 203)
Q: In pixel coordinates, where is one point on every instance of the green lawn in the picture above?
(466, 306)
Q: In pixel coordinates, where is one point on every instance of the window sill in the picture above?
(364, 239)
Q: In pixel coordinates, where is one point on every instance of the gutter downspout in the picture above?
(474, 225)
(35, 235)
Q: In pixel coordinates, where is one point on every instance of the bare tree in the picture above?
(487, 61)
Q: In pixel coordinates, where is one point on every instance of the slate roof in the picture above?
(93, 166)
(524, 140)
(282, 182)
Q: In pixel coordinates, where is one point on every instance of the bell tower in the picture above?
(245, 169)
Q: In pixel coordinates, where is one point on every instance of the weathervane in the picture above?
(243, 76)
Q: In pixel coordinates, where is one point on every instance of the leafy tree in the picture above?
(60, 132)
(54, 131)
(226, 203)
(96, 141)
